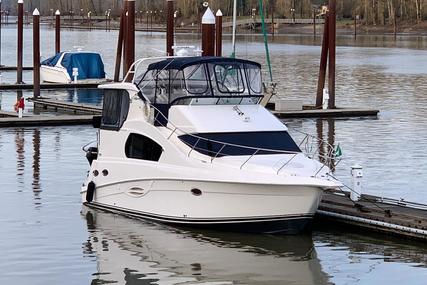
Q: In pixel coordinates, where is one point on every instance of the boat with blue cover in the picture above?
(77, 66)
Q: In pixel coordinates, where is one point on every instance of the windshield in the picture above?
(206, 83)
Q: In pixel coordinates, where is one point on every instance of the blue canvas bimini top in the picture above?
(90, 64)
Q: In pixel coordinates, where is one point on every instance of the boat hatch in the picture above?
(201, 81)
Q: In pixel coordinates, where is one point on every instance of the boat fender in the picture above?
(90, 191)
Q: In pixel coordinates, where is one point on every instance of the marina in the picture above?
(375, 117)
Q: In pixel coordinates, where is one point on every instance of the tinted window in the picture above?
(209, 144)
(115, 109)
(141, 147)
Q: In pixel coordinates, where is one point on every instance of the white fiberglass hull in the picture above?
(230, 206)
(54, 74)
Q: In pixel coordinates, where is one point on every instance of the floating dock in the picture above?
(66, 107)
(25, 86)
(372, 213)
(48, 104)
(36, 121)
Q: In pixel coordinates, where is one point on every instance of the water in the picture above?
(46, 237)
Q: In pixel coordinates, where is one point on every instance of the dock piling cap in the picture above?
(36, 12)
(218, 13)
(208, 17)
(57, 13)
(20, 1)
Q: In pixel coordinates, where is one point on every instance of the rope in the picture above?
(267, 52)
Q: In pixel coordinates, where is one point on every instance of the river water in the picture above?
(47, 237)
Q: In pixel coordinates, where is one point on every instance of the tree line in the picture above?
(370, 12)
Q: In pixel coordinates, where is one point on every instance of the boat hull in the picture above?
(53, 74)
(225, 206)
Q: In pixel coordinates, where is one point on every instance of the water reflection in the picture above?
(139, 252)
(36, 168)
(20, 155)
(326, 146)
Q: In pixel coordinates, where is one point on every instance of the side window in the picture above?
(115, 109)
(196, 79)
(141, 147)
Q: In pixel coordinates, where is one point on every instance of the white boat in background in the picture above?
(78, 67)
(187, 142)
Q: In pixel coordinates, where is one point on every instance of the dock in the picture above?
(66, 107)
(53, 85)
(372, 213)
(36, 121)
(320, 113)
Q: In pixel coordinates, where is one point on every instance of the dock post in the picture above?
(357, 175)
(332, 52)
(1, 20)
(355, 25)
(314, 22)
(125, 35)
(57, 31)
(218, 33)
(323, 64)
(119, 47)
(208, 33)
(36, 52)
(130, 36)
(20, 41)
(395, 23)
(169, 27)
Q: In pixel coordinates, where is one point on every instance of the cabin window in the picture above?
(229, 78)
(115, 109)
(196, 79)
(141, 147)
(244, 143)
(253, 73)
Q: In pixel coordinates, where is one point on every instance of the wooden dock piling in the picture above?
(36, 52)
(1, 27)
(20, 44)
(130, 36)
(332, 53)
(57, 31)
(208, 33)
(323, 64)
(119, 47)
(169, 27)
(218, 33)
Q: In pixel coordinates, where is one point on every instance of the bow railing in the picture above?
(307, 146)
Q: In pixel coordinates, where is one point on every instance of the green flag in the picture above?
(338, 151)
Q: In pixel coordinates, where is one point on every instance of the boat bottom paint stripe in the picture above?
(374, 223)
(197, 221)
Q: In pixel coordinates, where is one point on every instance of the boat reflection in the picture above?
(139, 252)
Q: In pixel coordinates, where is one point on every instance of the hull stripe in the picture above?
(193, 221)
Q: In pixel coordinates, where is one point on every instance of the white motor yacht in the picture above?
(184, 140)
